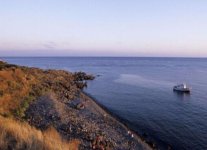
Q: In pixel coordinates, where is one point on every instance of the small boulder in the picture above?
(80, 106)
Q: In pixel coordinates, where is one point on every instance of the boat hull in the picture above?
(187, 90)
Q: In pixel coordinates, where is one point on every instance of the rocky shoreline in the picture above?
(54, 98)
(92, 125)
(143, 137)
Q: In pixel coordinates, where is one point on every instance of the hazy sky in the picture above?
(103, 28)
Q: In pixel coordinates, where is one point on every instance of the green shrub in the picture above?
(20, 111)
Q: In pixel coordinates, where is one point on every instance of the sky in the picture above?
(151, 28)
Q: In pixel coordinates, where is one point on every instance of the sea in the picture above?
(139, 91)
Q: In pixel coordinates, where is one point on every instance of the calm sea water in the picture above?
(139, 90)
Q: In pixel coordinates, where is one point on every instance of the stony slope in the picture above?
(54, 99)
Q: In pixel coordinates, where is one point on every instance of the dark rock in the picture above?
(81, 76)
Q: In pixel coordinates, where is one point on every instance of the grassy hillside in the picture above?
(19, 87)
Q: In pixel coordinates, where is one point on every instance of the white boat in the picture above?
(182, 88)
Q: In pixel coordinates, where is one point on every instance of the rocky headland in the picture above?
(52, 104)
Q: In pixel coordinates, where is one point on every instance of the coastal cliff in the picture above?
(52, 112)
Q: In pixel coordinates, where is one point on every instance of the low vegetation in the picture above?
(19, 87)
(18, 135)
(4, 65)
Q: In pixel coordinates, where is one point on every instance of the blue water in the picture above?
(139, 90)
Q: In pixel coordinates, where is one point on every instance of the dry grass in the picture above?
(19, 86)
(16, 135)
(14, 87)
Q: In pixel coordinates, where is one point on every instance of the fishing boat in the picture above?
(182, 88)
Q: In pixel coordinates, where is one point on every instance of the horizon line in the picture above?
(102, 57)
